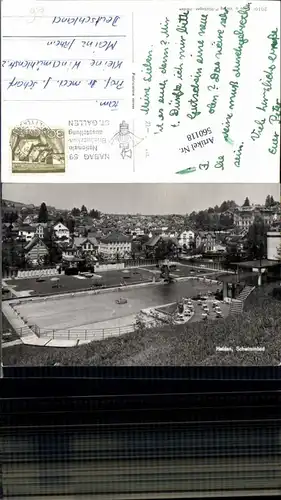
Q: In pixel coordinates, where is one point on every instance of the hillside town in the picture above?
(34, 236)
(201, 287)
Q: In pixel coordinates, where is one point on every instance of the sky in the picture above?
(138, 198)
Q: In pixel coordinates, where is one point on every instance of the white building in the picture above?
(115, 244)
(186, 238)
(40, 229)
(244, 217)
(26, 233)
(137, 231)
(273, 245)
(61, 231)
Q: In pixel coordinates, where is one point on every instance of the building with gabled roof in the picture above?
(26, 232)
(115, 245)
(36, 250)
(206, 240)
(88, 244)
(157, 239)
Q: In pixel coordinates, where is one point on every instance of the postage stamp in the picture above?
(37, 148)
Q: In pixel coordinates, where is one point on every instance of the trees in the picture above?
(70, 224)
(269, 201)
(43, 213)
(224, 206)
(144, 238)
(246, 202)
(10, 217)
(12, 254)
(233, 254)
(165, 249)
(227, 205)
(212, 220)
(226, 221)
(55, 252)
(95, 214)
(75, 212)
(84, 210)
(202, 220)
(272, 201)
(257, 239)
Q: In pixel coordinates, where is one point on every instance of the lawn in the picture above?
(73, 283)
(182, 345)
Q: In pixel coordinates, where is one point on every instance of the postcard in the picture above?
(133, 274)
(140, 91)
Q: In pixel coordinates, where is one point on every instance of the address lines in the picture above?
(95, 99)
(46, 37)
(115, 83)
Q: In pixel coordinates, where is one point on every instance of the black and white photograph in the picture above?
(141, 274)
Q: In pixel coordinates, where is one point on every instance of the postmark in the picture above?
(126, 140)
(37, 148)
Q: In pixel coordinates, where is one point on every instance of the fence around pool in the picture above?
(79, 334)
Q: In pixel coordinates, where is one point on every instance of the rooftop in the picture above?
(258, 264)
(234, 278)
(27, 228)
(155, 239)
(33, 243)
(78, 241)
(115, 237)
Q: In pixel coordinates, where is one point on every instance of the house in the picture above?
(220, 248)
(206, 241)
(244, 217)
(139, 231)
(87, 245)
(61, 231)
(40, 229)
(136, 231)
(156, 241)
(186, 238)
(115, 245)
(26, 232)
(69, 251)
(36, 250)
(28, 219)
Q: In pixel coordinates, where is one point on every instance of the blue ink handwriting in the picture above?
(87, 20)
(64, 83)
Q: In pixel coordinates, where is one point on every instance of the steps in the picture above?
(245, 292)
(236, 307)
